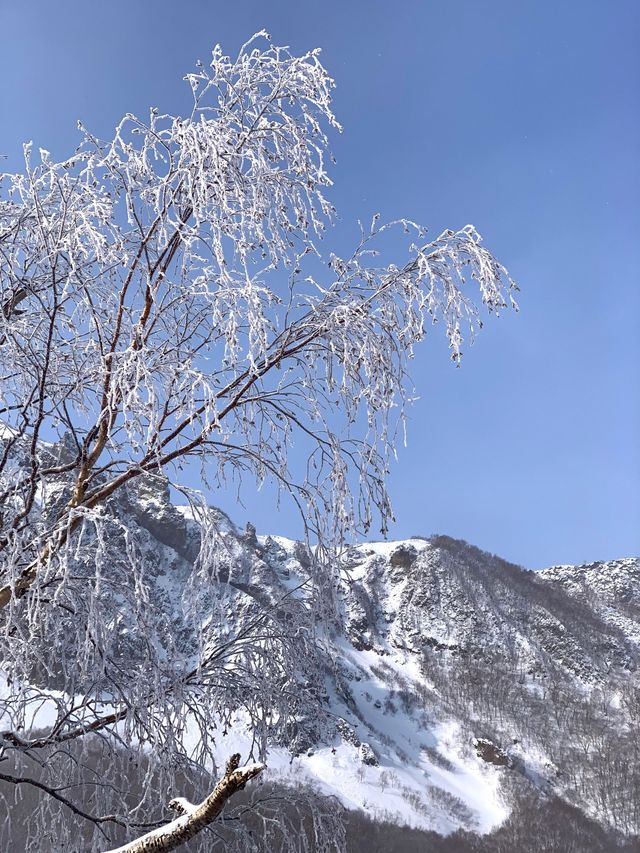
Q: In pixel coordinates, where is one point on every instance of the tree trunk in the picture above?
(194, 818)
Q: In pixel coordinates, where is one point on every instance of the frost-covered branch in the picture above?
(194, 818)
(56, 795)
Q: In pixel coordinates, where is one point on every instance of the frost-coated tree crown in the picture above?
(165, 296)
(157, 301)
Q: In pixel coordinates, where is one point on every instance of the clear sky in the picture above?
(520, 117)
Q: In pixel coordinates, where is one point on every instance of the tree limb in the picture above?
(194, 818)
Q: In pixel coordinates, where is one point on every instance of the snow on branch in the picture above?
(194, 818)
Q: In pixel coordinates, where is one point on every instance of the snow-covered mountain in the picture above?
(445, 685)
(447, 679)
(454, 672)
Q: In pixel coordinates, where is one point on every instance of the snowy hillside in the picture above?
(447, 673)
(388, 755)
(452, 671)
(441, 688)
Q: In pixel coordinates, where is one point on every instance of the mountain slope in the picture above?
(461, 672)
(442, 688)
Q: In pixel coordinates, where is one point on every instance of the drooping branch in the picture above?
(57, 795)
(194, 818)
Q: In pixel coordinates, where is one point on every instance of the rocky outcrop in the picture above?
(367, 755)
(490, 752)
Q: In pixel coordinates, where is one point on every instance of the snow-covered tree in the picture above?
(166, 306)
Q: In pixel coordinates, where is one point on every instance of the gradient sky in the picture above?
(520, 117)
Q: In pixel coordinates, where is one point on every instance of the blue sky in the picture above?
(522, 118)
